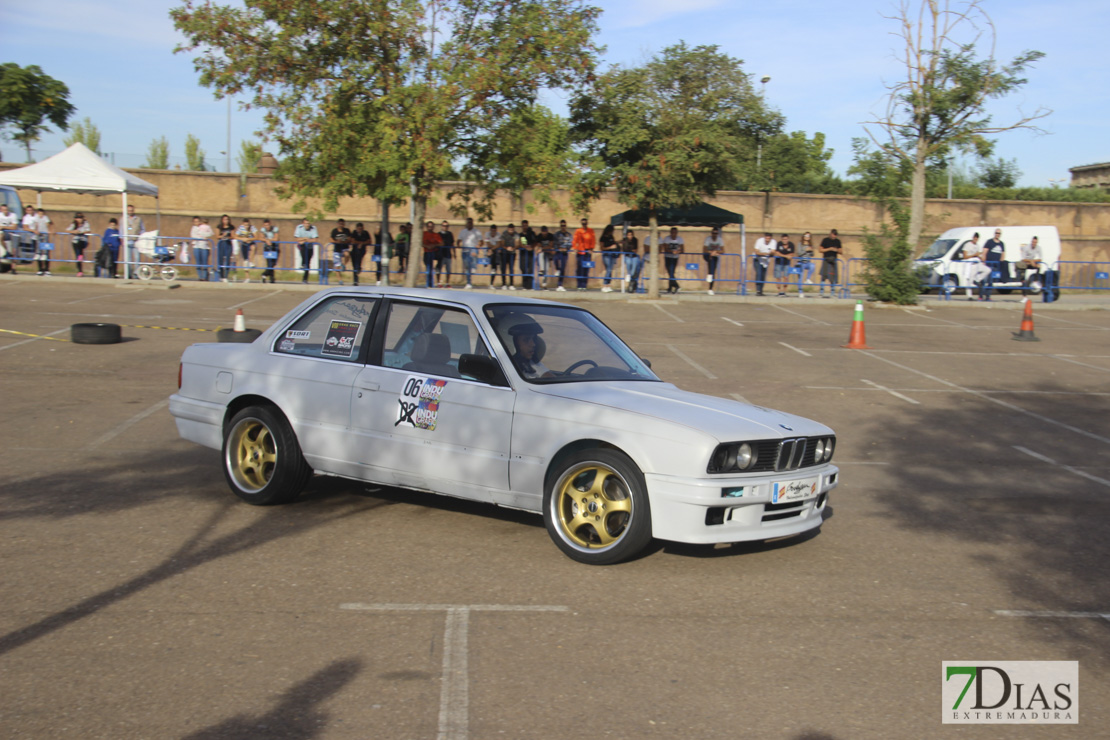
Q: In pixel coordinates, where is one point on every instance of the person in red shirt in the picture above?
(432, 243)
(584, 243)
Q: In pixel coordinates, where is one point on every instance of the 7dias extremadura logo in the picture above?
(1025, 692)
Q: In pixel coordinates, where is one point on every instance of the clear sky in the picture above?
(828, 63)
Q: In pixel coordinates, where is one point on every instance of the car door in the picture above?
(314, 363)
(416, 420)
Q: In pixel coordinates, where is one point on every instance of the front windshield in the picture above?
(937, 251)
(557, 344)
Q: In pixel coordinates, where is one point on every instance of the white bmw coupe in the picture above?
(529, 404)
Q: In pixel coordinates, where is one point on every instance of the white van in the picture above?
(950, 272)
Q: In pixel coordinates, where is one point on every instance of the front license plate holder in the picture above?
(791, 491)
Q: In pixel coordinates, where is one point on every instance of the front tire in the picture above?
(596, 507)
(263, 462)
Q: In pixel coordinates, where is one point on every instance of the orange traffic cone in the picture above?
(1026, 333)
(857, 339)
(240, 322)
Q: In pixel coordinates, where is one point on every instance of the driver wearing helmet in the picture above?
(529, 350)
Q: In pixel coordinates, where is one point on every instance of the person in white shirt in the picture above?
(42, 230)
(765, 248)
(468, 240)
(712, 249)
(972, 252)
(201, 234)
(9, 222)
(671, 246)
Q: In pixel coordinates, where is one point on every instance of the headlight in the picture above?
(734, 457)
(745, 457)
(829, 443)
(819, 451)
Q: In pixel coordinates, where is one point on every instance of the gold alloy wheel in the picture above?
(594, 505)
(252, 455)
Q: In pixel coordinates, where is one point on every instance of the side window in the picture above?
(430, 339)
(333, 329)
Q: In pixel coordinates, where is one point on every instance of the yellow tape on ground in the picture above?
(167, 328)
(36, 336)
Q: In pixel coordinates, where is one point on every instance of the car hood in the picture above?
(724, 419)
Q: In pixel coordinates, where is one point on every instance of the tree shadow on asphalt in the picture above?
(957, 472)
(297, 716)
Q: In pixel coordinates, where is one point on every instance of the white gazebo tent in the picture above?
(80, 170)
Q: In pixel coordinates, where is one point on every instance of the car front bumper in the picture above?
(718, 510)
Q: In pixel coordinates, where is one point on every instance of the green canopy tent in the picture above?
(702, 214)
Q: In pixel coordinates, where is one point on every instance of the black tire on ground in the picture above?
(95, 334)
(595, 507)
(230, 335)
(262, 459)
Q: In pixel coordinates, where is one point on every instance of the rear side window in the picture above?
(334, 329)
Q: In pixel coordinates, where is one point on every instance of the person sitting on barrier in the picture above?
(993, 252)
(972, 252)
(306, 236)
(761, 259)
(108, 254)
(1031, 258)
(712, 249)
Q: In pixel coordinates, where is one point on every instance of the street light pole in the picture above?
(229, 133)
(759, 146)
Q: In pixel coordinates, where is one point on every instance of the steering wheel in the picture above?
(577, 365)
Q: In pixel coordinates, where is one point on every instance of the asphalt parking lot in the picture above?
(142, 600)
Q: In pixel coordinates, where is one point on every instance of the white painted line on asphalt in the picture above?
(799, 351)
(92, 298)
(1081, 364)
(726, 318)
(681, 321)
(949, 321)
(1047, 614)
(740, 398)
(987, 397)
(454, 693)
(121, 428)
(691, 362)
(801, 315)
(894, 393)
(957, 390)
(1043, 316)
(253, 300)
(1068, 468)
(34, 339)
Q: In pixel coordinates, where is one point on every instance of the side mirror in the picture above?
(646, 361)
(482, 368)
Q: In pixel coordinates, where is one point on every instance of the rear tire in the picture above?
(262, 458)
(596, 508)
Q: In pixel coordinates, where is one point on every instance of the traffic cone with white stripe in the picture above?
(240, 322)
(857, 339)
(1026, 332)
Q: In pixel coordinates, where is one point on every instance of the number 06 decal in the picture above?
(418, 404)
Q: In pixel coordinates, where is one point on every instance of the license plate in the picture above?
(794, 490)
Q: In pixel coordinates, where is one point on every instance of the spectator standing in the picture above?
(108, 253)
(995, 250)
(971, 251)
(225, 232)
(431, 246)
(79, 231)
(784, 255)
(633, 260)
(712, 249)
(507, 257)
(545, 254)
(805, 258)
(402, 245)
(306, 235)
(246, 235)
(527, 250)
(271, 248)
(831, 249)
(42, 230)
(564, 242)
(379, 244)
(29, 223)
(134, 231)
(492, 243)
(610, 253)
(446, 255)
(470, 240)
(9, 224)
(584, 243)
(672, 246)
(765, 247)
(340, 243)
(360, 238)
(201, 234)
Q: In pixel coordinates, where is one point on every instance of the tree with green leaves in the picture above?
(382, 98)
(30, 99)
(194, 155)
(795, 163)
(85, 132)
(940, 106)
(250, 153)
(998, 173)
(669, 133)
(158, 154)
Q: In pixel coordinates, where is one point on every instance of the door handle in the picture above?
(369, 386)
